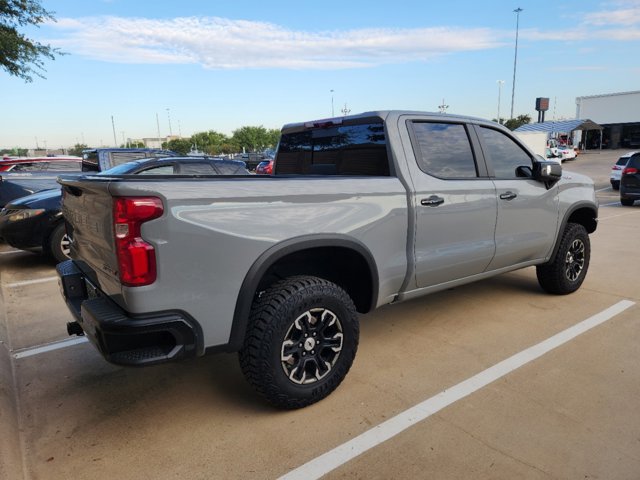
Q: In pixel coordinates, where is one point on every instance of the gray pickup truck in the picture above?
(361, 211)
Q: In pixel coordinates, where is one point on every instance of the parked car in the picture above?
(17, 185)
(616, 170)
(265, 167)
(566, 152)
(40, 164)
(35, 222)
(630, 181)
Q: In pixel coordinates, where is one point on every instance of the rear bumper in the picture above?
(121, 338)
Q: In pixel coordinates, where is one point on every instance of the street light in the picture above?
(332, 114)
(515, 58)
(169, 117)
(500, 83)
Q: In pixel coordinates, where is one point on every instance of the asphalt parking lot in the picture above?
(494, 380)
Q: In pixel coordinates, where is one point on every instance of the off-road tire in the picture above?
(567, 270)
(54, 245)
(280, 321)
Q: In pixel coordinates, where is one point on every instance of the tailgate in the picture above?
(87, 209)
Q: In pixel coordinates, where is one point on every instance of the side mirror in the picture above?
(547, 172)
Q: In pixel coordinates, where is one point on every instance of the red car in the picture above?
(40, 164)
(265, 167)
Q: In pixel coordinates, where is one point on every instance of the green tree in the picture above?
(14, 152)
(19, 55)
(77, 149)
(273, 136)
(517, 122)
(253, 139)
(181, 146)
(211, 142)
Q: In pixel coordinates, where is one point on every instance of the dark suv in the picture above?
(630, 181)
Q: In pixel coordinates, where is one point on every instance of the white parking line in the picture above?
(29, 352)
(9, 252)
(31, 282)
(371, 438)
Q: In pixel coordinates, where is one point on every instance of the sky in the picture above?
(195, 65)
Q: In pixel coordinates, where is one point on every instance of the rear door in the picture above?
(527, 209)
(455, 203)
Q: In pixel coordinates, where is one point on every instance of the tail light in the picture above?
(136, 258)
(629, 171)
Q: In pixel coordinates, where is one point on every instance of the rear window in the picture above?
(64, 166)
(335, 150)
(622, 161)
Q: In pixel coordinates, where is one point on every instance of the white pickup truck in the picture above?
(362, 211)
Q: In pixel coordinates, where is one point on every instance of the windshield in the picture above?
(123, 168)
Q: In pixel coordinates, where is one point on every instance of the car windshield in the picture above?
(124, 168)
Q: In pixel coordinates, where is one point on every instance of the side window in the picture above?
(161, 170)
(196, 169)
(444, 150)
(505, 154)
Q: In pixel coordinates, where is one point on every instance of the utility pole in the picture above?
(515, 59)
(115, 140)
(332, 114)
(158, 125)
(500, 83)
(169, 117)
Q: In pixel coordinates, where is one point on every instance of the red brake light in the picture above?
(136, 258)
(629, 171)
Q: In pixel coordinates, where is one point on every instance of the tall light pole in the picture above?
(332, 114)
(169, 117)
(500, 83)
(443, 108)
(515, 59)
(113, 125)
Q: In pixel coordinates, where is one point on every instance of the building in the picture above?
(618, 113)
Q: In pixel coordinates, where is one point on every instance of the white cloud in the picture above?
(626, 16)
(219, 43)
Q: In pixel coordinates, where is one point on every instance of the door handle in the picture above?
(508, 196)
(432, 201)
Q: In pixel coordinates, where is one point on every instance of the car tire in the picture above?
(615, 185)
(627, 202)
(567, 270)
(301, 340)
(58, 244)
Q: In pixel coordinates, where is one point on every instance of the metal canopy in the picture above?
(561, 126)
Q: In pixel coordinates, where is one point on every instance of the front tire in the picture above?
(567, 270)
(301, 340)
(58, 244)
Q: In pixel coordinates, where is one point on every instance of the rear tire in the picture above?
(627, 202)
(301, 340)
(58, 244)
(615, 185)
(567, 270)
